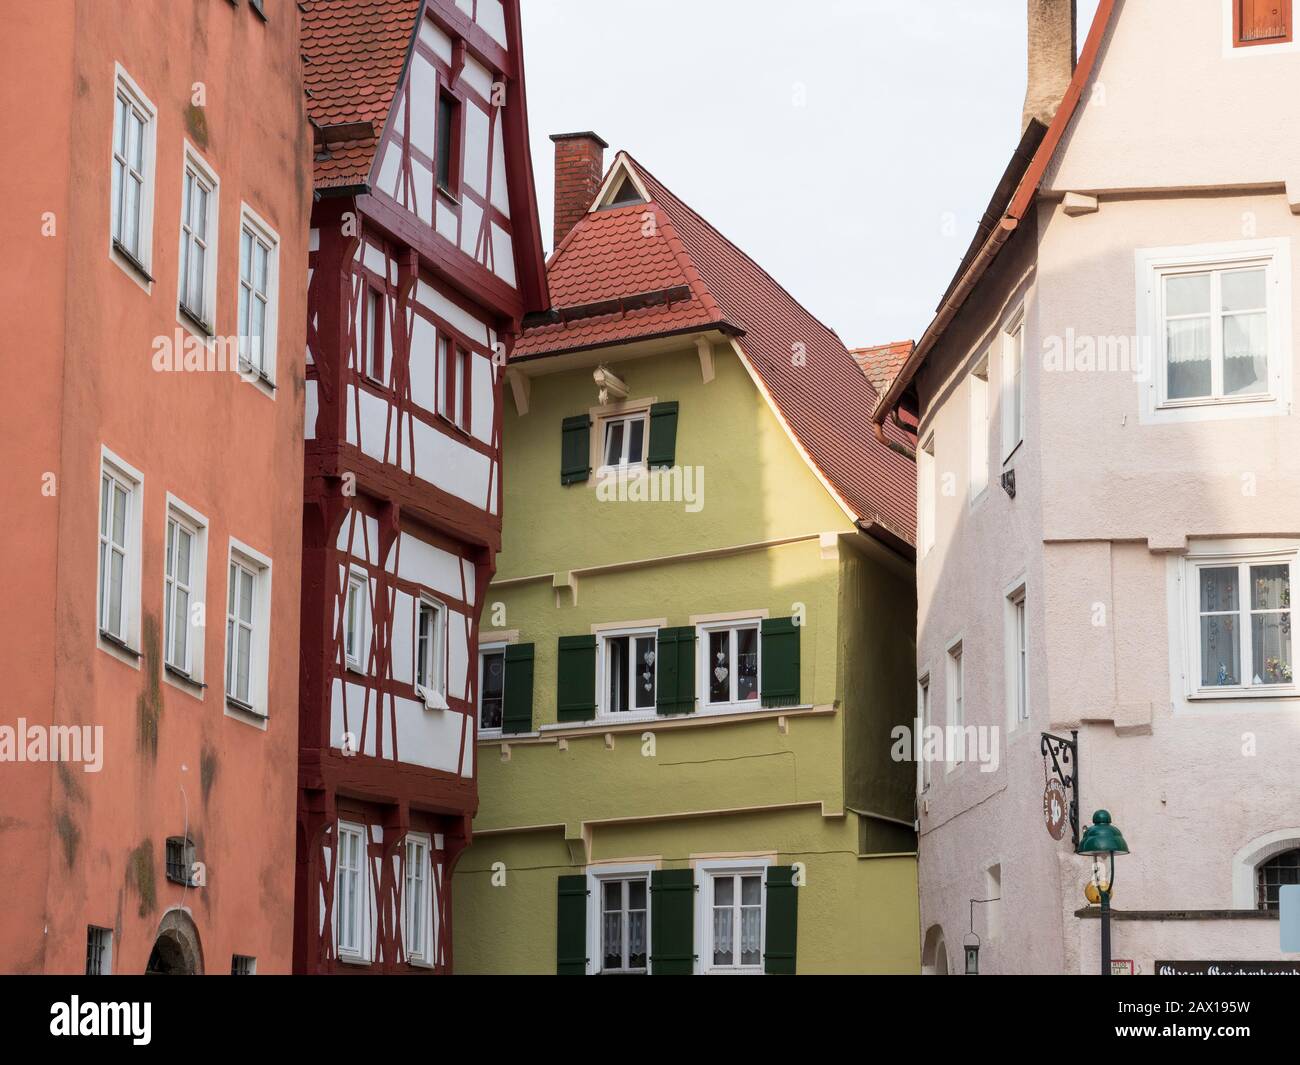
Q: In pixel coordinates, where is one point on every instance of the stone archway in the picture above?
(934, 953)
(177, 951)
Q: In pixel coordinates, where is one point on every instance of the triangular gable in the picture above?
(621, 187)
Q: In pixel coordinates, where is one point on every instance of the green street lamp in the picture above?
(1103, 841)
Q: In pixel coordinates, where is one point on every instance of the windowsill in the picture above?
(242, 711)
(751, 971)
(453, 425)
(1270, 692)
(119, 644)
(260, 379)
(354, 667)
(1012, 453)
(183, 680)
(129, 260)
(195, 324)
(1215, 402)
(448, 194)
(701, 718)
(346, 959)
(438, 702)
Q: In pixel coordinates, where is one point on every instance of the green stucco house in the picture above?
(701, 629)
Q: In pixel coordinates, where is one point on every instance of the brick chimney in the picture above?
(579, 167)
(1053, 29)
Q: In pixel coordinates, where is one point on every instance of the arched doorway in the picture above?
(934, 954)
(177, 950)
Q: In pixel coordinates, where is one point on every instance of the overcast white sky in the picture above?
(849, 146)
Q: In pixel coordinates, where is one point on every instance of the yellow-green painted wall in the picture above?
(676, 790)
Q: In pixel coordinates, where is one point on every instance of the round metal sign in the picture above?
(1056, 809)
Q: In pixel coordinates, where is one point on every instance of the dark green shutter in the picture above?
(675, 672)
(571, 926)
(782, 921)
(780, 680)
(663, 435)
(672, 922)
(575, 687)
(575, 450)
(517, 706)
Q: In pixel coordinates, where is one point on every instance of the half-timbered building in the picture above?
(425, 254)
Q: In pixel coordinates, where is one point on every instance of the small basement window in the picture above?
(180, 860)
(1277, 872)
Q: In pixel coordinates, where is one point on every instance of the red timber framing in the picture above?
(402, 515)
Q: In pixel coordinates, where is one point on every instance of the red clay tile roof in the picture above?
(814, 382)
(882, 362)
(353, 55)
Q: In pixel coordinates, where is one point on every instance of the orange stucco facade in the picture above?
(79, 330)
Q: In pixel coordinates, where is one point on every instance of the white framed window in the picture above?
(248, 619)
(491, 688)
(956, 700)
(733, 903)
(624, 439)
(121, 491)
(431, 653)
(197, 285)
(99, 951)
(618, 919)
(417, 900)
(1216, 319)
(1017, 645)
(626, 671)
(979, 428)
(259, 279)
(924, 719)
(1240, 621)
(352, 894)
(135, 131)
(927, 493)
(185, 559)
(1013, 385)
(356, 622)
(730, 663)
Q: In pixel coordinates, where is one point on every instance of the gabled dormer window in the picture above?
(1261, 22)
(625, 194)
(622, 189)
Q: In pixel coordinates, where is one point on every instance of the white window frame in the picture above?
(485, 649)
(924, 719)
(207, 314)
(705, 873)
(1016, 641)
(191, 671)
(357, 952)
(979, 430)
(927, 495)
(704, 672)
(123, 644)
(356, 625)
(1192, 564)
(260, 232)
(125, 87)
(955, 701)
(626, 417)
(603, 710)
(254, 562)
(1153, 265)
(1013, 384)
(433, 694)
(596, 877)
(421, 953)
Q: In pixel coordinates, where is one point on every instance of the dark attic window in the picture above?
(625, 194)
(180, 859)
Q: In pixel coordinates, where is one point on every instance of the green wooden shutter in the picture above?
(780, 680)
(663, 435)
(517, 705)
(782, 921)
(575, 450)
(672, 922)
(571, 926)
(575, 688)
(675, 672)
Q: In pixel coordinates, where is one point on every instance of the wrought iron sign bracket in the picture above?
(1064, 766)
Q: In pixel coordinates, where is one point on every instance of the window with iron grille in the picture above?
(99, 951)
(243, 965)
(180, 859)
(1277, 872)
